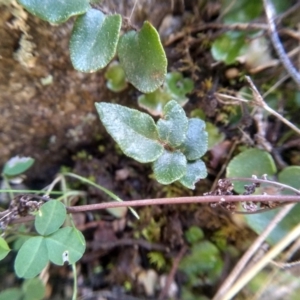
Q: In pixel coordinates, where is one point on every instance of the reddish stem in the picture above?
(185, 200)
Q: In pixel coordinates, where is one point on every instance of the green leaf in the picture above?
(210, 265)
(281, 6)
(194, 234)
(197, 113)
(33, 289)
(250, 162)
(157, 259)
(258, 222)
(195, 144)
(65, 242)
(12, 293)
(143, 58)
(19, 241)
(116, 80)
(169, 167)
(94, 40)
(4, 248)
(194, 172)
(174, 88)
(17, 165)
(173, 127)
(214, 135)
(241, 11)
(227, 48)
(134, 131)
(55, 11)
(290, 176)
(178, 86)
(32, 257)
(154, 102)
(50, 217)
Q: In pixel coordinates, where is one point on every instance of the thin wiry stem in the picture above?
(108, 192)
(131, 14)
(270, 14)
(172, 201)
(74, 297)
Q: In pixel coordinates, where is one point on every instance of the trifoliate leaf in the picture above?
(4, 248)
(33, 289)
(50, 217)
(65, 244)
(31, 258)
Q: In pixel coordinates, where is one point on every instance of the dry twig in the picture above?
(259, 101)
(270, 255)
(172, 273)
(239, 268)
